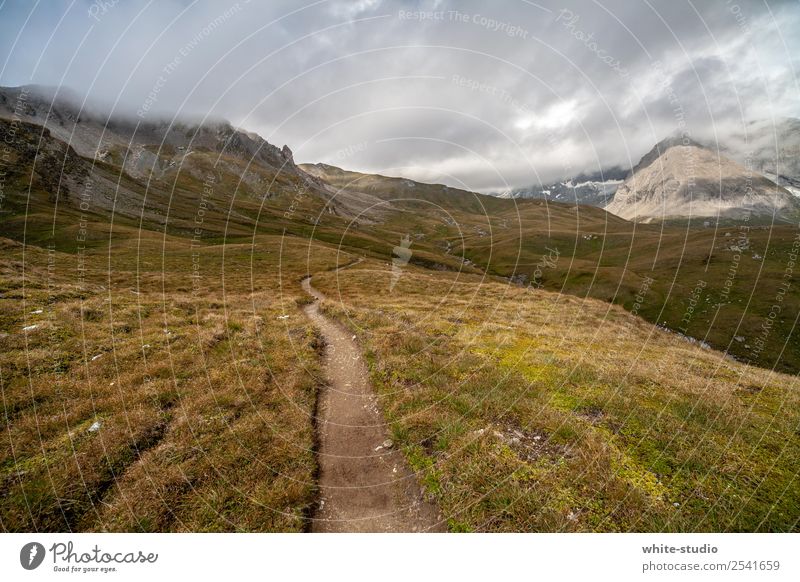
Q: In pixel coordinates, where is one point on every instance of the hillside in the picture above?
(525, 410)
(408, 192)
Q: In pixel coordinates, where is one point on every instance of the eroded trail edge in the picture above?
(365, 486)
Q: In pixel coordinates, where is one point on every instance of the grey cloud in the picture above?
(474, 94)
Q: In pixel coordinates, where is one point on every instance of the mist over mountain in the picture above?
(96, 133)
(595, 189)
(508, 97)
(769, 147)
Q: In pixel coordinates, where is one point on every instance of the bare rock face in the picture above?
(677, 181)
(287, 155)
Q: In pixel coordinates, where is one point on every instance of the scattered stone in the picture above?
(530, 445)
(387, 444)
(36, 311)
(95, 426)
(30, 327)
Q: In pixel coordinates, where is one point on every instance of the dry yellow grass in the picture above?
(203, 388)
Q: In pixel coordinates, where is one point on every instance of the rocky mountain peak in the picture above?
(286, 152)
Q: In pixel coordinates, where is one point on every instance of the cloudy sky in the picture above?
(482, 95)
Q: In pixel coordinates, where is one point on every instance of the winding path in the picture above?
(365, 486)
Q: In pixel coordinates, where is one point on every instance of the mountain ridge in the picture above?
(681, 179)
(771, 147)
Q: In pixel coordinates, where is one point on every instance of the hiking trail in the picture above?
(365, 483)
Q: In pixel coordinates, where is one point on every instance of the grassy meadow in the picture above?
(162, 388)
(526, 410)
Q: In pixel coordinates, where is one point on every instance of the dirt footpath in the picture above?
(366, 485)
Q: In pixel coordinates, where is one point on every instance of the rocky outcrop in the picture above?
(685, 181)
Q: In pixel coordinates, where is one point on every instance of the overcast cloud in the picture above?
(482, 95)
